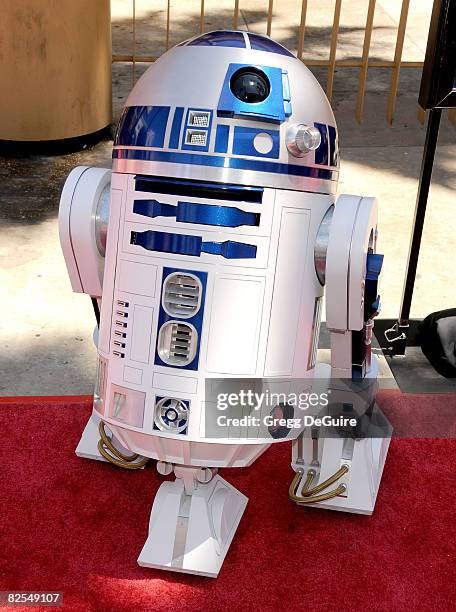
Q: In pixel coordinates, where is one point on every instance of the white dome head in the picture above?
(230, 106)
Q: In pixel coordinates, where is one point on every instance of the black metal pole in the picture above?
(397, 335)
(96, 310)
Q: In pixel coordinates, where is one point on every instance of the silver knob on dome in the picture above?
(301, 139)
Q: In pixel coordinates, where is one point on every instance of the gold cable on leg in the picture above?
(308, 496)
(328, 482)
(114, 455)
(308, 482)
(319, 498)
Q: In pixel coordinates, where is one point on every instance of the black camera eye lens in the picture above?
(250, 85)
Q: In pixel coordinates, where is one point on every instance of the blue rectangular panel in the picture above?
(143, 126)
(222, 216)
(153, 208)
(221, 138)
(176, 128)
(322, 153)
(333, 146)
(243, 143)
(164, 242)
(201, 214)
(193, 246)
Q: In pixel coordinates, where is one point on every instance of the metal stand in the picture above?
(397, 335)
(96, 310)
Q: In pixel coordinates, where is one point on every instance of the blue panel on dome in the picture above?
(333, 146)
(220, 38)
(263, 43)
(144, 126)
(322, 153)
(174, 137)
(221, 138)
(271, 109)
(243, 142)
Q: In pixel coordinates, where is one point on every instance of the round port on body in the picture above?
(171, 415)
(301, 139)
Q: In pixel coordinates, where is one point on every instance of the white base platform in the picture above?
(88, 444)
(191, 531)
(362, 481)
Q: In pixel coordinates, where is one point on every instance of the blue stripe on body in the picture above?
(225, 162)
(176, 128)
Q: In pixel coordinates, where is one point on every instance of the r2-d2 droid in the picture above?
(207, 249)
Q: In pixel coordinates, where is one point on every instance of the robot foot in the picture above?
(88, 444)
(192, 523)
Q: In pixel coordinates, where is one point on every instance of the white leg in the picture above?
(363, 479)
(365, 459)
(192, 523)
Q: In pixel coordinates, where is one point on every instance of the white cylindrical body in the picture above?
(210, 267)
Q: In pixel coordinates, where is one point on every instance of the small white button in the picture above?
(263, 143)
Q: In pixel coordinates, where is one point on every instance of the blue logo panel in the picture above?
(243, 143)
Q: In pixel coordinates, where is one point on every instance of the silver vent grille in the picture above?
(199, 118)
(182, 295)
(177, 343)
(196, 137)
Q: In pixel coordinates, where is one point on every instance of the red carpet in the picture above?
(77, 526)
